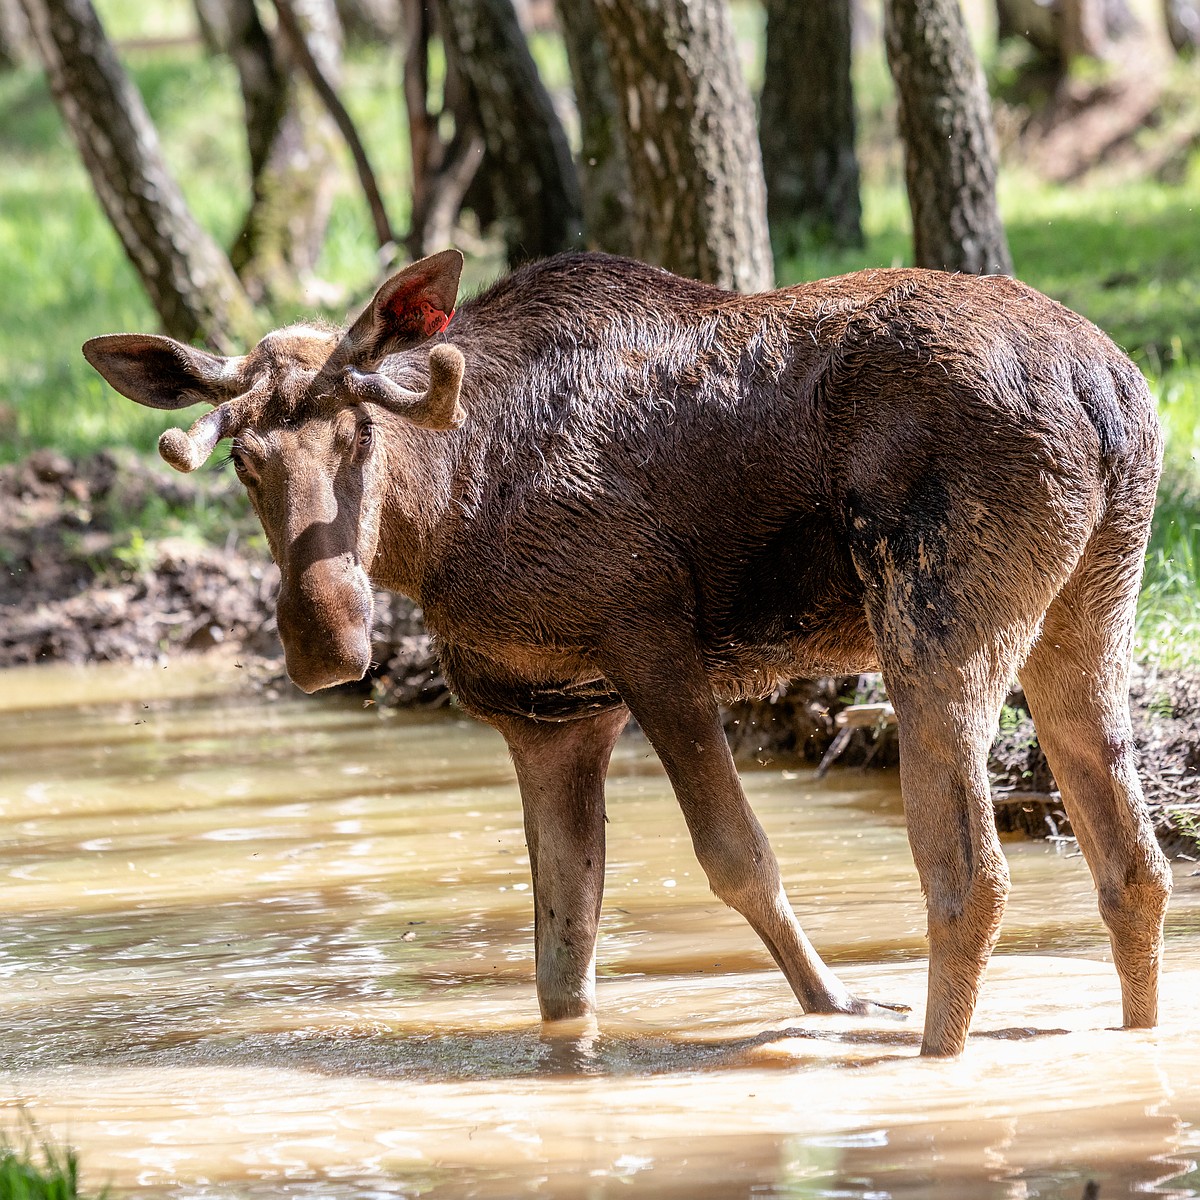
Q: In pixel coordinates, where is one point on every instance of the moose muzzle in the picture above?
(324, 621)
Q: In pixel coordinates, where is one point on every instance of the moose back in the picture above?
(615, 491)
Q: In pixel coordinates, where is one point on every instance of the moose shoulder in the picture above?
(615, 491)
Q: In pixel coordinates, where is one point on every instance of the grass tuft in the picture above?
(43, 1171)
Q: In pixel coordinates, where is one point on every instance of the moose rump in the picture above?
(614, 491)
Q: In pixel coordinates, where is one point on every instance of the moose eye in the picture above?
(241, 464)
(366, 436)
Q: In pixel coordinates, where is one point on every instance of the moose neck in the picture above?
(417, 495)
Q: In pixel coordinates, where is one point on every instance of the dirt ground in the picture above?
(80, 582)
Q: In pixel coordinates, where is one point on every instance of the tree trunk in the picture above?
(1053, 28)
(945, 120)
(291, 141)
(1183, 24)
(528, 160)
(603, 167)
(699, 200)
(188, 278)
(1082, 30)
(233, 27)
(370, 20)
(16, 44)
(806, 126)
(442, 170)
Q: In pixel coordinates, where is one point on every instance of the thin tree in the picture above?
(950, 158)
(806, 126)
(444, 165)
(1062, 30)
(1083, 31)
(187, 276)
(368, 21)
(699, 200)
(528, 160)
(233, 28)
(16, 43)
(603, 165)
(1183, 25)
(291, 140)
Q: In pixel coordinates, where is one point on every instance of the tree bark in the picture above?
(1082, 30)
(950, 155)
(1062, 29)
(806, 126)
(16, 42)
(1183, 25)
(528, 159)
(603, 166)
(232, 27)
(188, 278)
(291, 140)
(699, 200)
(442, 170)
(370, 20)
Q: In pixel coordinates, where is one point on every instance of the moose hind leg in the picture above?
(947, 705)
(1076, 683)
(561, 769)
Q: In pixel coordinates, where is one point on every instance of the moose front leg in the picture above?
(668, 693)
(561, 769)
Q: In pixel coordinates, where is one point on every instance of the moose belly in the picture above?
(835, 642)
(793, 608)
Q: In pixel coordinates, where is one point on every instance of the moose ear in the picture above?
(408, 309)
(160, 372)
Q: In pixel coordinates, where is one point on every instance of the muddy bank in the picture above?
(112, 558)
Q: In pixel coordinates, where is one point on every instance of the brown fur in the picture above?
(664, 493)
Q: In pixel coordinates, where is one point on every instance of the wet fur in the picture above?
(752, 466)
(664, 493)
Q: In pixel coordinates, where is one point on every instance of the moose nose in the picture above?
(326, 631)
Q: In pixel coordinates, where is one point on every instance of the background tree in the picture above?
(950, 158)
(699, 200)
(1062, 30)
(187, 276)
(291, 142)
(1183, 24)
(16, 43)
(603, 166)
(528, 162)
(233, 28)
(1082, 30)
(370, 20)
(443, 165)
(806, 125)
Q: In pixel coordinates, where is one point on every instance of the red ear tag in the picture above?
(436, 320)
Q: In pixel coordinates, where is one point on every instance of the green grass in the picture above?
(63, 275)
(47, 1172)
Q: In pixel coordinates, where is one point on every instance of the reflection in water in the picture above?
(284, 949)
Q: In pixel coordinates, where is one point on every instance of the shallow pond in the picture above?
(283, 948)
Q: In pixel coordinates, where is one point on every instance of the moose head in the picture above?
(304, 410)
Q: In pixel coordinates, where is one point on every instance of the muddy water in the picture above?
(283, 949)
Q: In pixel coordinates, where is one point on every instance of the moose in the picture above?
(614, 491)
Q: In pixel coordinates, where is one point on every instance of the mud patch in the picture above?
(1165, 708)
(112, 558)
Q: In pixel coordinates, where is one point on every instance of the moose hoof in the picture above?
(877, 1008)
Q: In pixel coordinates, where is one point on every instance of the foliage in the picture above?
(63, 276)
(48, 1172)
